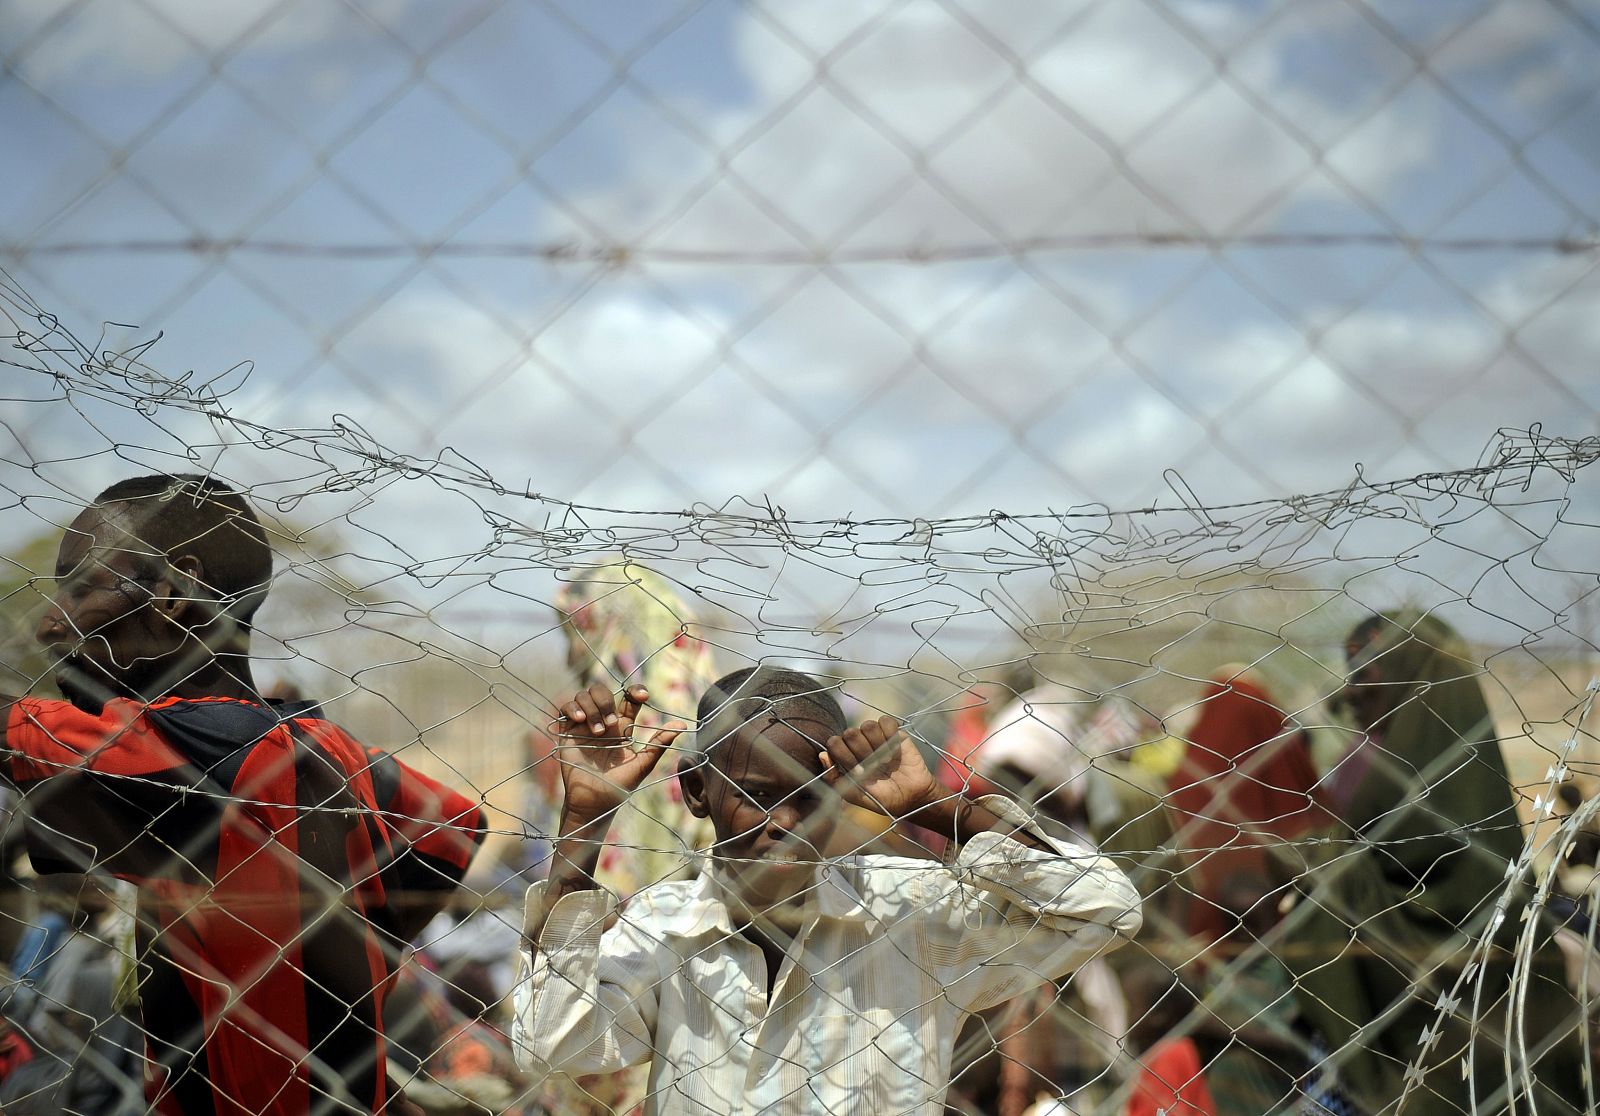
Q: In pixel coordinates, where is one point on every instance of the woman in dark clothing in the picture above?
(1396, 905)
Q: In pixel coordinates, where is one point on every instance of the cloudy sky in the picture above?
(910, 259)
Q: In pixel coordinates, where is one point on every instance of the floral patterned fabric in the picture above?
(626, 625)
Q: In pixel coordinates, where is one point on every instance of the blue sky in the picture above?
(829, 253)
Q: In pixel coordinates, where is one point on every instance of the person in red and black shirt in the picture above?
(281, 864)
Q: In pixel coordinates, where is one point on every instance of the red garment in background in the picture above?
(1172, 1083)
(968, 728)
(1245, 782)
(15, 1051)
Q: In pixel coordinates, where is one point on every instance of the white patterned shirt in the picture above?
(892, 955)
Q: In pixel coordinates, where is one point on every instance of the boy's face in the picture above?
(104, 628)
(770, 809)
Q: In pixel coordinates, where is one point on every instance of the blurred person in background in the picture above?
(1040, 748)
(1394, 902)
(452, 1059)
(85, 1053)
(1074, 752)
(1062, 750)
(473, 941)
(47, 922)
(1261, 1054)
(1244, 782)
(1170, 1076)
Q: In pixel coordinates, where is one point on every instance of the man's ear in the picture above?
(181, 590)
(692, 780)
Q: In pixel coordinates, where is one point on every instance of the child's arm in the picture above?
(586, 1000)
(1019, 907)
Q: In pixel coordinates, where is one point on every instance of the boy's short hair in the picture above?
(736, 699)
(188, 515)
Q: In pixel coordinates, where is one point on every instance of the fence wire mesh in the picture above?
(1002, 370)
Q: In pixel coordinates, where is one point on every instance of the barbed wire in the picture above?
(620, 255)
(1071, 325)
(1153, 577)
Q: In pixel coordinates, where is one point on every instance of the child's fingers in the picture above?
(880, 732)
(831, 772)
(844, 757)
(663, 737)
(590, 709)
(631, 700)
(605, 703)
(838, 756)
(857, 744)
(572, 713)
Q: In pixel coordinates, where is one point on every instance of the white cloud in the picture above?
(126, 39)
(660, 385)
(925, 133)
(112, 39)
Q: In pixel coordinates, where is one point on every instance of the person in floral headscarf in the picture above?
(626, 625)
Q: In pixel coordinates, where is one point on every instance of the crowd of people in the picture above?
(1050, 901)
(1306, 920)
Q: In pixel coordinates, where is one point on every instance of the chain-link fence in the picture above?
(1179, 416)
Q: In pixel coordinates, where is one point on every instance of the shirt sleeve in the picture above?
(437, 831)
(442, 825)
(102, 791)
(586, 997)
(1013, 916)
(48, 739)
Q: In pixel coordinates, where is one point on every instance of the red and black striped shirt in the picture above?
(281, 866)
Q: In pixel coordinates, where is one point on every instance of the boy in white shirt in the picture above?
(782, 981)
